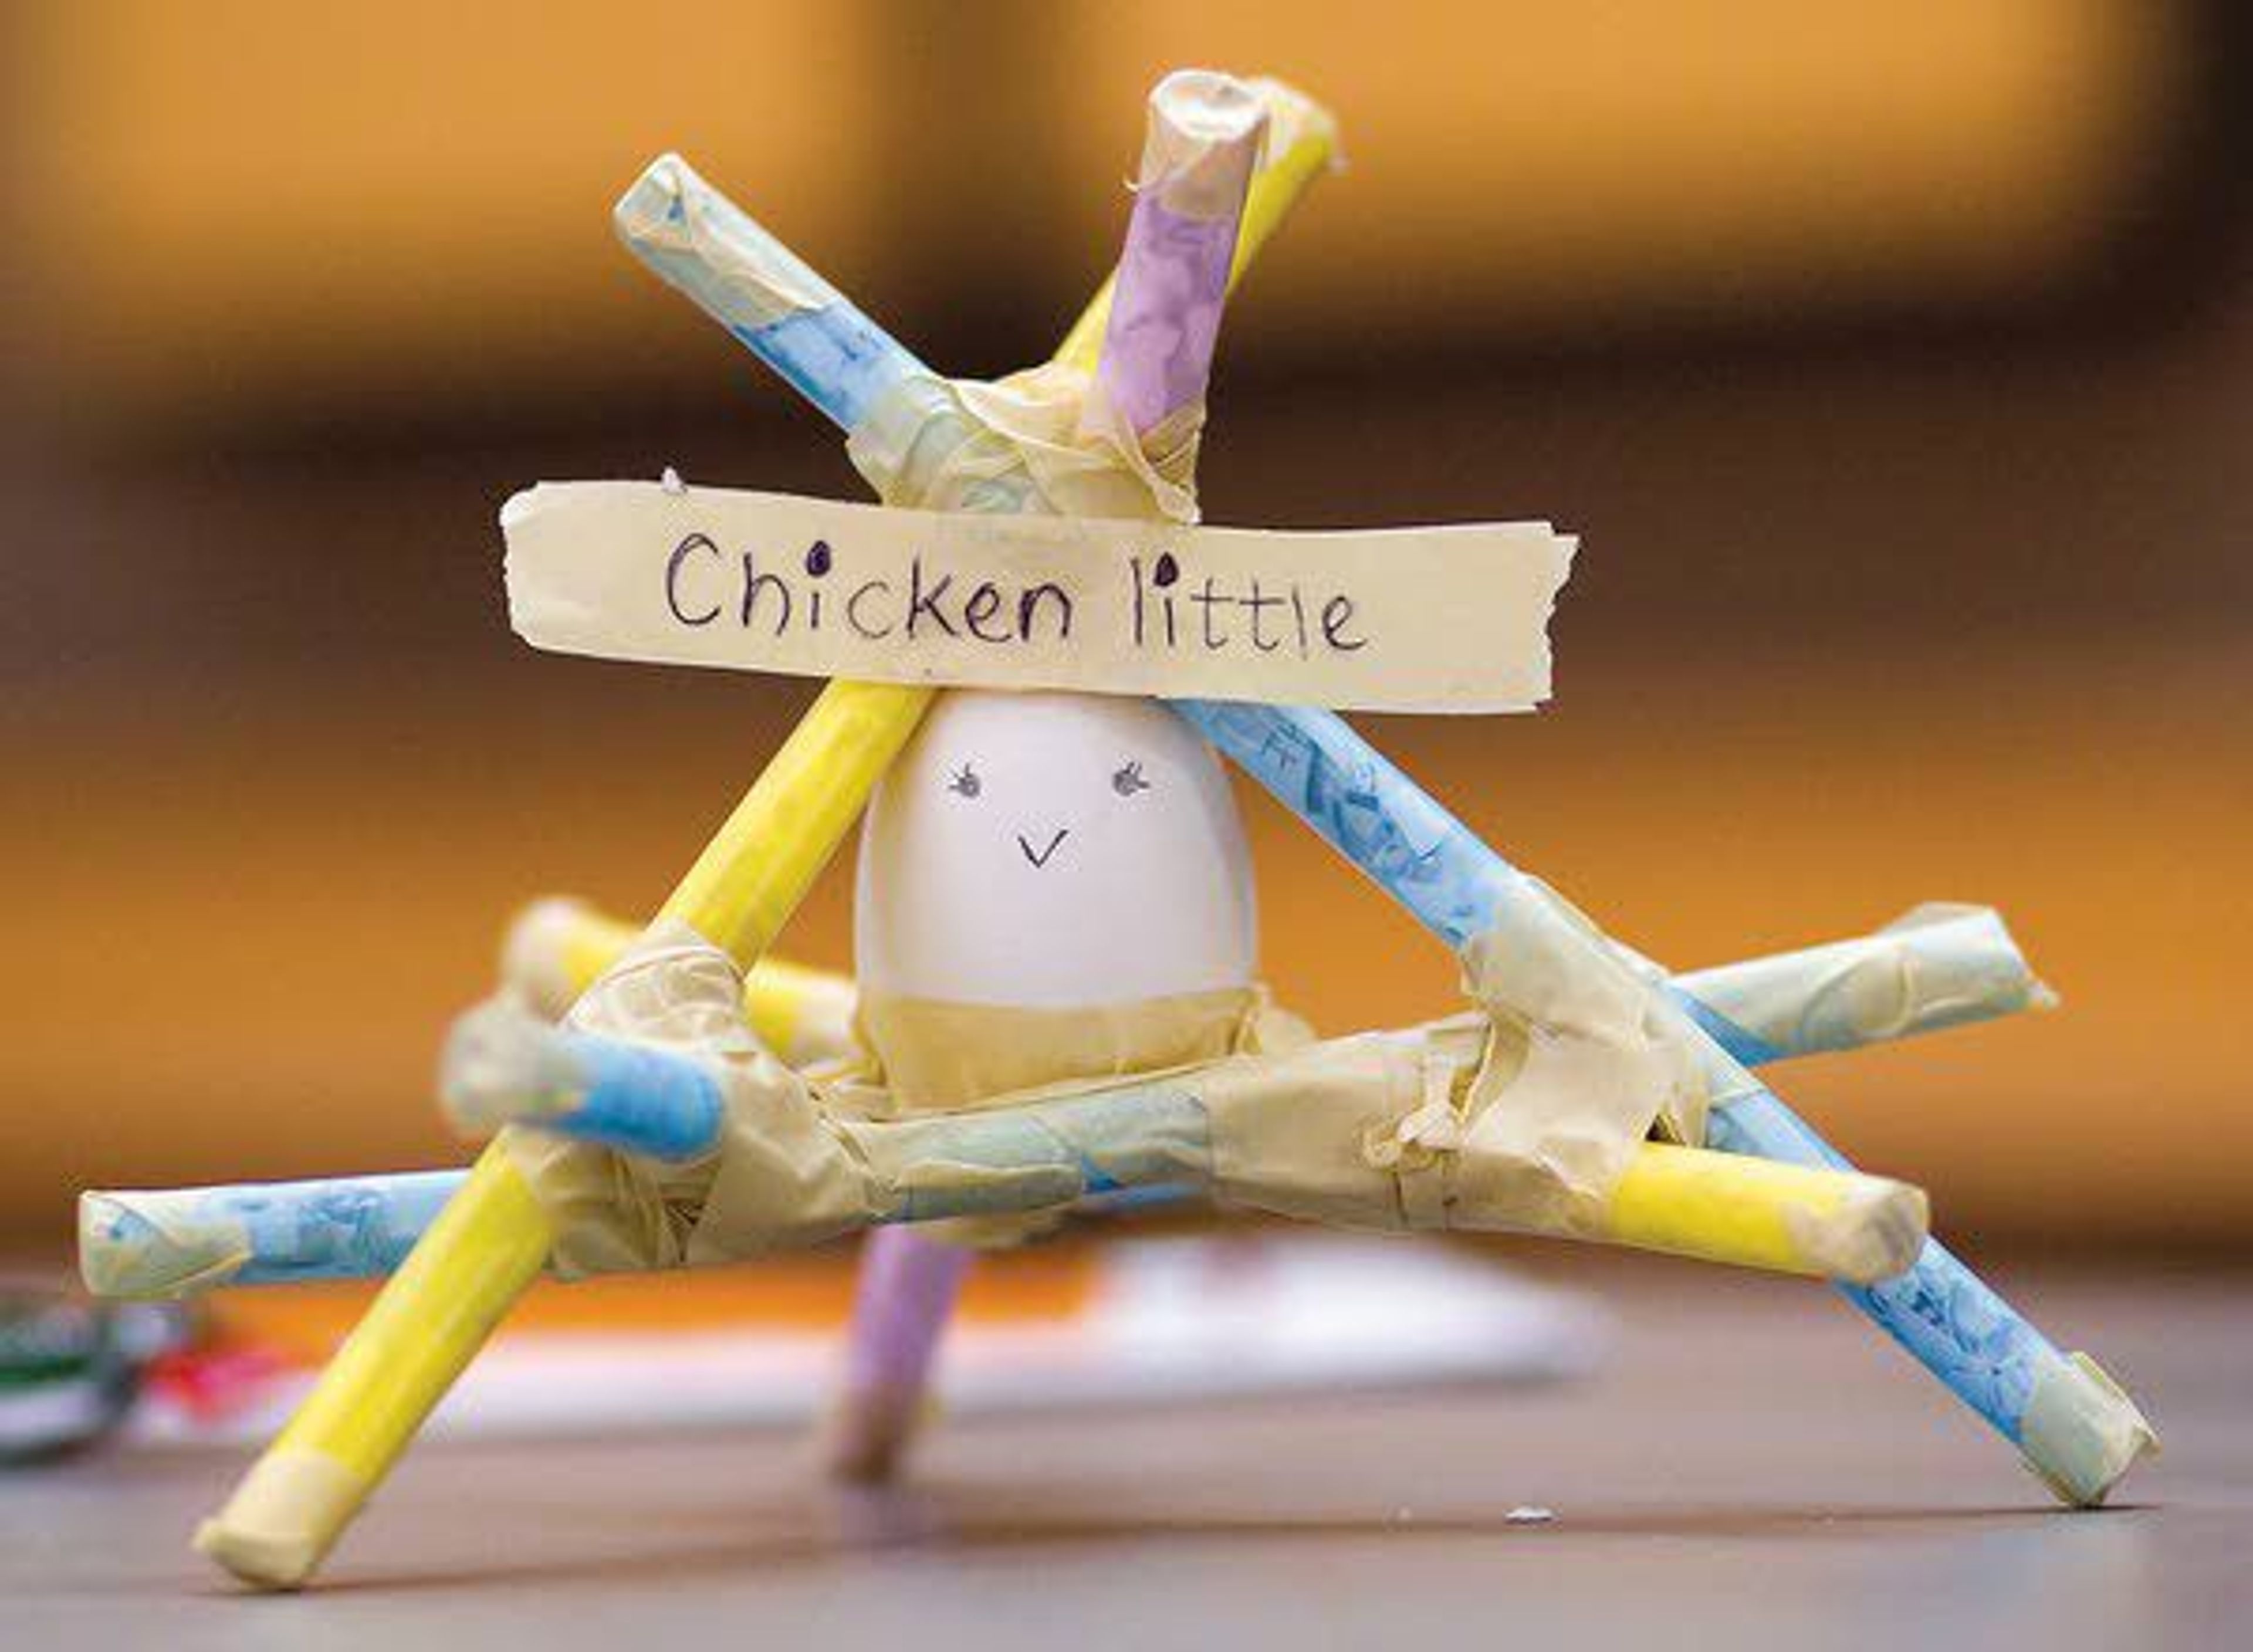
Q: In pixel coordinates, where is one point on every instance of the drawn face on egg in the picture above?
(1051, 850)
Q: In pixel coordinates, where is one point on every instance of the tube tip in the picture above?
(1205, 133)
(536, 954)
(2081, 1432)
(148, 1246)
(654, 199)
(1209, 105)
(283, 1520)
(1294, 118)
(1875, 1233)
(499, 1064)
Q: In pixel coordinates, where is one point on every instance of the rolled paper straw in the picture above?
(2074, 1426)
(1745, 1213)
(492, 1239)
(1940, 965)
(767, 853)
(1748, 1212)
(424, 1327)
(1204, 141)
(489, 1242)
(173, 1244)
(1302, 146)
(763, 293)
(504, 1065)
(902, 1305)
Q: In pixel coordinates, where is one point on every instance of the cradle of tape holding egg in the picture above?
(1378, 1131)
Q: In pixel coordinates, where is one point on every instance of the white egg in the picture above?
(1050, 851)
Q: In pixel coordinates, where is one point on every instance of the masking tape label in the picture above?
(1431, 619)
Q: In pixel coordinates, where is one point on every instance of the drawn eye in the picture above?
(965, 783)
(1128, 781)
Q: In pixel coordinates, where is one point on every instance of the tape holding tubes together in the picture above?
(1382, 1132)
(1524, 1116)
(1936, 967)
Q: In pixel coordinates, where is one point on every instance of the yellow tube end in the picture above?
(1875, 1231)
(284, 1518)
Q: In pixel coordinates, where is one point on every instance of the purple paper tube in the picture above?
(1204, 134)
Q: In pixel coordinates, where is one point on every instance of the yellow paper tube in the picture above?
(486, 1246)
(489, 1242)
(1756, 1213)
(767, 853)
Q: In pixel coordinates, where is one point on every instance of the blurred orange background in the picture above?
(1894, 362)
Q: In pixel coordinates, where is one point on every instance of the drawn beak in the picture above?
(1040, 858)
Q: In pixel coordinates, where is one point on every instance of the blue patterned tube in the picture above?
(164, 1245)
(504, 1065)
(1104, 1143)
(637, 1098)
(768, 298)
(2078, 1432)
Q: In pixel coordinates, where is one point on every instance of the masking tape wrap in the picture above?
(1205, 135)
(1046, 441)
(1464, 1122)
(800, 1163)
(938, 1057)
(1585, 1060)
(2080, 1432)
(675, 219)
(1058, 439)
(1523, 1115)
(934, 1056)
(762, 292)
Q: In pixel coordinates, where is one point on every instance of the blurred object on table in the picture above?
(1074, 1326)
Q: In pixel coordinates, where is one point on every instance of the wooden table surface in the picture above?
(1755, 1470)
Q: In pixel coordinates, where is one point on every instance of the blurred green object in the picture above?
(70, 1368)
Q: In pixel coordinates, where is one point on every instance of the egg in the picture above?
(1051, 851)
